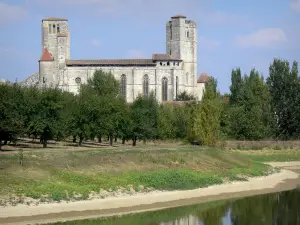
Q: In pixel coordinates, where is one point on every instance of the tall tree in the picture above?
(205, 123)
(284, 88)
(236, 87)
(250, 115)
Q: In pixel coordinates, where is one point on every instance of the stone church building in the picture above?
(167, 74)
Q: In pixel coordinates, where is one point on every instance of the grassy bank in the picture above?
(268, 155)
(74, 175)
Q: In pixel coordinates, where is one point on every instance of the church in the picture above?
(166, 75)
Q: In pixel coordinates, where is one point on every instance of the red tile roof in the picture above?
(203, 78)
(46, 56)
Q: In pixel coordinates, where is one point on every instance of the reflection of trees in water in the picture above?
(213, 216)
(272, 209)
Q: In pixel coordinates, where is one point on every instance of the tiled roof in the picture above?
(107, 62)
(203, 78)
(178, 16)
(54, 19)
(164, 57)
(46, 56)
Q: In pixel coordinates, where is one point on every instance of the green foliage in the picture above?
(284, 87)
(144, 113)
(249, 107)
(205, 119)
(184, 96)
(253, 110)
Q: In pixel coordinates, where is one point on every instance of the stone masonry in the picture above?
(167, 75)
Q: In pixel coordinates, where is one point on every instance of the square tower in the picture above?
(182, 43)
(56, 43)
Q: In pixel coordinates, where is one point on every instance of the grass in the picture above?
(66, 174)
(268, 155)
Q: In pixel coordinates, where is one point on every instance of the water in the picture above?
(272, 209)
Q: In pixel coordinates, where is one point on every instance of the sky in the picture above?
(231, 33)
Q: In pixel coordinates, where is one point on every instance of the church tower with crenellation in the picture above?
(55, 51)
(182, 44)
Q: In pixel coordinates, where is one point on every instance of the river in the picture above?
(282, 208)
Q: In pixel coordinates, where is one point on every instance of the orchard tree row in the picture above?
(255, 109)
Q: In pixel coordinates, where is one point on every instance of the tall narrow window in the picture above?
(164, 85)
(50, 28)
(58, 30)
(187, 34)
(54, 29)
(146, 85)
(171, 34)
(123, 85)
(176, 87)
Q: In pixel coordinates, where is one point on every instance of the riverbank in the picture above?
(52, 176)
(46, 213)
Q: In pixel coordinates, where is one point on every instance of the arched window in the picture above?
(164, 85)
(187, 34)
(146, 85)
(123, 85)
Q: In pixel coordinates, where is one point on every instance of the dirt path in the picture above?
(23, 214)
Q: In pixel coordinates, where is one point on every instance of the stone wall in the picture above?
(134, 79)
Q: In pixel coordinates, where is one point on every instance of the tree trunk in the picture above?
(134, 141)
(111, 138)
(45, 143)
(80, 140)
(74, 139)
(0, 145)
(123, 141)
(116, 139)
(100, 138)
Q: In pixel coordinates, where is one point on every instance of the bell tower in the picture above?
(55, 49)
(182, 44)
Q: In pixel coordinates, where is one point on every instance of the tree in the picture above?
(166, 122)
(284, 89)
(144, 118)
(11, 112)
(45, 106)
(184, 96)
(236, 87)
(205, 122)
(249, 102)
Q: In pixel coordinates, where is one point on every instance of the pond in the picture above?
(281, 208)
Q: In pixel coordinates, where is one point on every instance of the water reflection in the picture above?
(273, 209)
